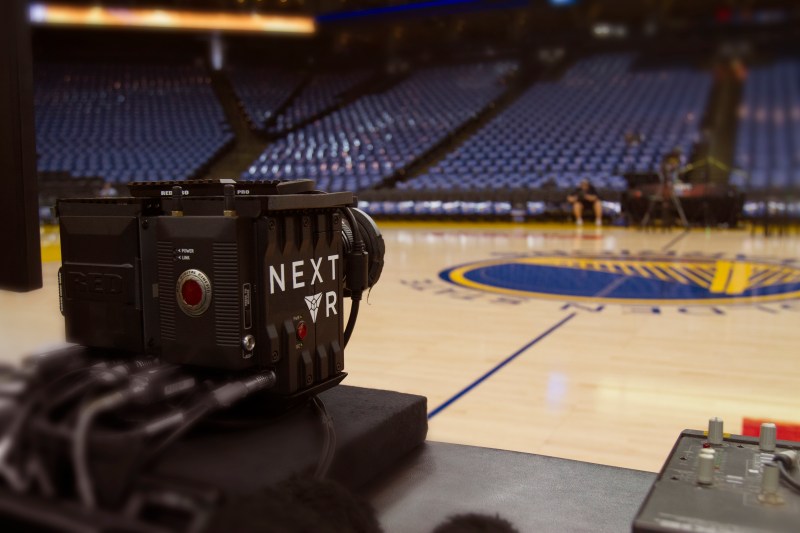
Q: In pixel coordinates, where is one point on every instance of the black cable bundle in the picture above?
(62, 408)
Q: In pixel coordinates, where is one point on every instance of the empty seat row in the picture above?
(602, 119)
(768, 132)
(380, 134)
(127, 122)
(321, 93)
(262, 91)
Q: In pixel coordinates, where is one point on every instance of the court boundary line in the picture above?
(447, 403)
(675, 241)
(612, 286)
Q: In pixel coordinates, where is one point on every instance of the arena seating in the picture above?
(262, 91)
(768, 135)
(379, 134)
(560, 132)
(321, 93)
(127, 123)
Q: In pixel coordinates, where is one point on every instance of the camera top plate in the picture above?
(216, 187)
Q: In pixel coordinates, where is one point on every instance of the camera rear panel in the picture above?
(205, 280)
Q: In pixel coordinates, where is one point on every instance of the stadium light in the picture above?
(118, 17)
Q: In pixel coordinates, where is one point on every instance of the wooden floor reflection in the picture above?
(611, 384)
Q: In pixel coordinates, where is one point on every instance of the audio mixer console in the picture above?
(718, 483)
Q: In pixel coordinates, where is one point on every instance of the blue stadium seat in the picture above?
(574, 128)
(320, 94)
(262, 91)
(371, 139)
(768, 133)
(127, 123)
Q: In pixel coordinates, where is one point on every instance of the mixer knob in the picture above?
(767, 437)
(715, 434)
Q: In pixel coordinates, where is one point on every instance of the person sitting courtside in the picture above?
(584, 198)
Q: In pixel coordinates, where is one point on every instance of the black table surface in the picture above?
(375, 429)
(533, 492)
(416, 484)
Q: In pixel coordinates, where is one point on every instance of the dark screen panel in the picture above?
(20, 266)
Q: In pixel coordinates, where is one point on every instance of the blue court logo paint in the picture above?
(631, 280)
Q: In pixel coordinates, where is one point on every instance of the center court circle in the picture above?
(650, 280)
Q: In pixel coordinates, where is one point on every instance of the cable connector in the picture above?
(789, 458)
(356, 261)
(113, 374)
(357, 273)
(232, 392)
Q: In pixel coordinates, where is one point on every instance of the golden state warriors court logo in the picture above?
(632, 280)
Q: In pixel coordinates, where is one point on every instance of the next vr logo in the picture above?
(628, 279)
(313, 304)
(299, 271)
(307, 272)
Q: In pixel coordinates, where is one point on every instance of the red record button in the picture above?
(192, 292)
(302, 330)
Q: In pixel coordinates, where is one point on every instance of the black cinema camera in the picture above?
(221, 275)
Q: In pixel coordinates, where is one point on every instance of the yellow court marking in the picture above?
(691, 274)
(654, 268)
(50, 243)
(729, 277)
(740, 278)
(760, 275)
(789, 276)
(721, 276)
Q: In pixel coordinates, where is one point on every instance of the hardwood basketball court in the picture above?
(597, 373)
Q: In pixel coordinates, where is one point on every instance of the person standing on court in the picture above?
(585, 198)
